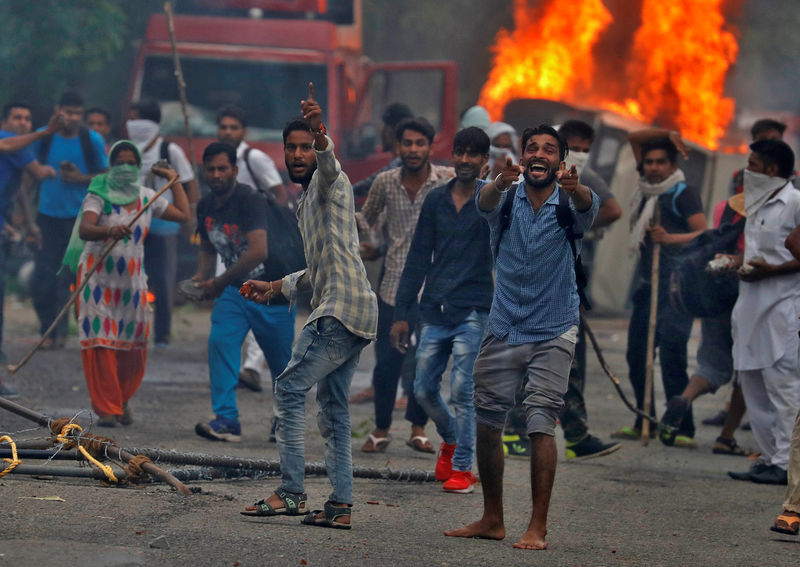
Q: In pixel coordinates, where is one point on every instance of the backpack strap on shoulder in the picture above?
(505, 217)
(679, 188)
(258, 187)
(44, 149)
(567, 222)
(163, 151)
(87, 148)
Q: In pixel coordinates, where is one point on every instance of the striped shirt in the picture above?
(335, 272)
(535, 296)
(388, 193)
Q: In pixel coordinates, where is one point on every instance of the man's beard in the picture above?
(304, 179)
(222, 188)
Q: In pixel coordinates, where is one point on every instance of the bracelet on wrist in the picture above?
(321, 130)
(497, 184)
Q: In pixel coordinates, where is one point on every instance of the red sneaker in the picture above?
(462, 482)
(444, 463)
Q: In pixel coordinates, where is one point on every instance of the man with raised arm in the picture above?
(344, 320)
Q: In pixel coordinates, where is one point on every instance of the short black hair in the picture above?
(97, 110)
(148, 109)
(7, 108)
(528, 133)
(661, 144)
(216, 148)
(396, 112)
(471, 140)
(418, 124)
(232, 111)
(298, 123)
(775, 152)
(124, 145)
(576, 129)
(70, 98)
(766, 124)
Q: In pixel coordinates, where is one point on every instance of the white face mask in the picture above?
(578, 159)
(141, 132)
(758, 188)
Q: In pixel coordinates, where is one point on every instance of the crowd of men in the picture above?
(485, 262)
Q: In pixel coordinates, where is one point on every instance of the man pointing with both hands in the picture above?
(533, 322)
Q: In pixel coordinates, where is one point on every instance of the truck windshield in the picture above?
(268, 91)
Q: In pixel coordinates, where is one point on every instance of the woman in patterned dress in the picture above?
(112, 310)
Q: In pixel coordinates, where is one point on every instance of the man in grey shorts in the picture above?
(533, 323)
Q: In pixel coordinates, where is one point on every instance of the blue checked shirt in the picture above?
(535, 295)
(335, 273)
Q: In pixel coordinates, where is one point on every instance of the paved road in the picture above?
(640, 506)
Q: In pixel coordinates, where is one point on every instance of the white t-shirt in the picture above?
(263, 168)
(180, 163)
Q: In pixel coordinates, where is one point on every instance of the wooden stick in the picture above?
(45, 421)
(176, 59)
(651, 332)
(12, 368)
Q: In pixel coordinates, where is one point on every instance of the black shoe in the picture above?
(588, 448)
(516, 446)
(672, 419)
(272, 429)
(757, 468)
(773, 474)
(718, 420)
(746, 426)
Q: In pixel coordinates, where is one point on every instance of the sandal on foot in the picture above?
(293, 505)
(725, 446)
(421, 443)
(330, 520)
(791, 527)
(376, 444)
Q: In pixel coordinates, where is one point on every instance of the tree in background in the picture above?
(49, 45)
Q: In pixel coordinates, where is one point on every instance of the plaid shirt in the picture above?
(387, 193)
(335, 273)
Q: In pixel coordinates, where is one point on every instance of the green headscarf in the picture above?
(120, 186)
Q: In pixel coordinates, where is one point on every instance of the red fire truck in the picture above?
(261, 55)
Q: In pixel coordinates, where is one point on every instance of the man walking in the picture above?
(232, 222)
(399, 193)
(533, 322)
(450, 254)
(343, 321)
(77, 154)
(765, 324)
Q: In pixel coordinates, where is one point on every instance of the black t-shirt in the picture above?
(677, 205)
(226, 227)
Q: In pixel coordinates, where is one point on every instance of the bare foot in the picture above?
(482, 528)
(531, 540)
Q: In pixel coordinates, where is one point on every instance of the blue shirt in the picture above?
(62, 200)
(450, 253)
(536, 295)
(11, 165)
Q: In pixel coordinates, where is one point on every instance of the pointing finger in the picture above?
(573, 171)
(310, 91)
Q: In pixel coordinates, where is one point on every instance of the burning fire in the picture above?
(675, 75)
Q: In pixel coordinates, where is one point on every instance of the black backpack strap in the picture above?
(505, 217)
(87, 148)
(567, 222)
(252, 174)
(163, 151)
(44, 149)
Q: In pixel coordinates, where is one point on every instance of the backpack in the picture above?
(565, 221)
(87, 148)
(693, 290)
(284, 242)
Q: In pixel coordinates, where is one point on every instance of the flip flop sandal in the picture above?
(376, 444)
(330, 520)
(421, 443)
(729, 447)
(293, 505)
(792, 525)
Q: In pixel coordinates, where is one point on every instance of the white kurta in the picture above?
(765, 322)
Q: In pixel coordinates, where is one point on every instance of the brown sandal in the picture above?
(789, 525)
(376, 444)
(725, 446)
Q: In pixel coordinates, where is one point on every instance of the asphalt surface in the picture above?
(649, 505)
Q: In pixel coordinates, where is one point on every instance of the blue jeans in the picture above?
(435, 345)
(325, 354)
(231, 318)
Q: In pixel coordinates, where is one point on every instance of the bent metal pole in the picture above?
(12, 368)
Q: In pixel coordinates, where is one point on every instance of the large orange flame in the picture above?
(546, 55)
(675, 75)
